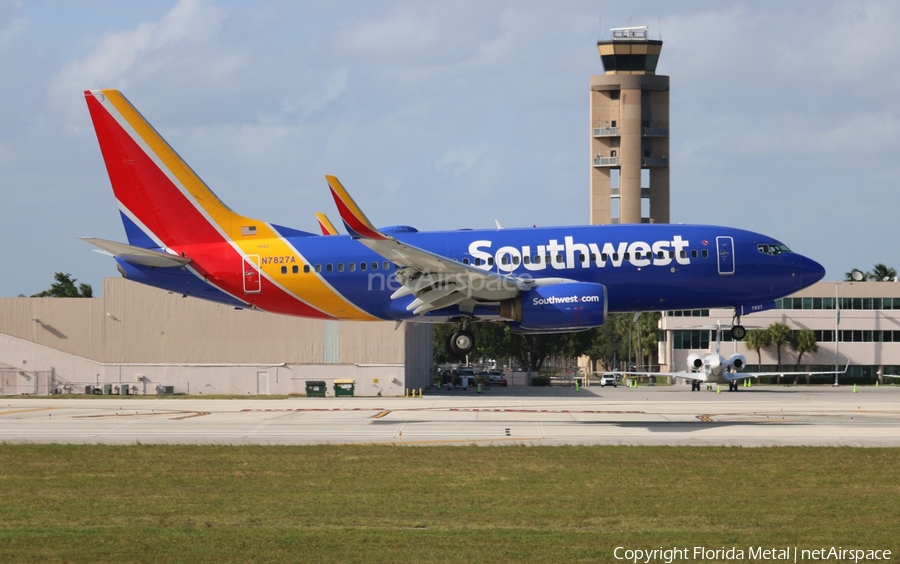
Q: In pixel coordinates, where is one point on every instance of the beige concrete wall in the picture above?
(137, 323)
(630, 156)
(822, 319)
(135, 330)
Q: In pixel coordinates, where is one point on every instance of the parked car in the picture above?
(495, 379)
(608, 380)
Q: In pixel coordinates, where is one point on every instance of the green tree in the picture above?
(64, 287)
(854, 275)
(881, 273)
(779, 336)
(605, 346)
(757, 340)
(803, 341)
(495, 340)
(530, 351)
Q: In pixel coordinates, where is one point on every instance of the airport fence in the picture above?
(15, 382)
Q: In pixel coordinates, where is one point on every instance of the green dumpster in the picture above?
(315, 389)
(344, 387)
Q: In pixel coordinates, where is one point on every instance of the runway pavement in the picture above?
(758, 416)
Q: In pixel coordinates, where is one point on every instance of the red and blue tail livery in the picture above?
(182, 238)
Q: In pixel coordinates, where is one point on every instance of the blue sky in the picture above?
(442, 115)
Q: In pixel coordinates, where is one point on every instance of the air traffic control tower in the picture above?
(629, 131)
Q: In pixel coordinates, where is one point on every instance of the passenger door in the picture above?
(725, 253)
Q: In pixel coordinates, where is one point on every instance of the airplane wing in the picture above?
(137, 255)
(688, 375)
(435, 281)
(326, 226)
(742, 375)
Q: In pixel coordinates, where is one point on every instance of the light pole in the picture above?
(837, 333)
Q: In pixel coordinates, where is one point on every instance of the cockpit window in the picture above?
(773, 250)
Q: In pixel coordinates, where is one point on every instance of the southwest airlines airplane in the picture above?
(182, 238)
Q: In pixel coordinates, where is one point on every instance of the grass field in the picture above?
(438, 504)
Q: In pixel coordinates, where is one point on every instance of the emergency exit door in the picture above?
(252, 279)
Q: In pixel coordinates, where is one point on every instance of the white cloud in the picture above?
(417, 33)
(183, 40)
(459, 159)
(13, 22)
(318, 94)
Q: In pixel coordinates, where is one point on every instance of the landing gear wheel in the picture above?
(733, 386)
(462, 342)
(695, 385)
(738, 332)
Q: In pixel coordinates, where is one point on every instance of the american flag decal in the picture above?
(248, 230)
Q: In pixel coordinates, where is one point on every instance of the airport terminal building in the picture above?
(140, 340)
(854, 322)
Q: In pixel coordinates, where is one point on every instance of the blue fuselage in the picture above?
(643, 267)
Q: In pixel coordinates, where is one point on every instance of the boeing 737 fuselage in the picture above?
(182, 238)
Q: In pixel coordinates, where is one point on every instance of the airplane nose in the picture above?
(808, 271)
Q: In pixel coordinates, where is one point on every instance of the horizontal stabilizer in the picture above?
(138, 255)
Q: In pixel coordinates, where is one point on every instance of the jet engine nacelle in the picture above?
(695, 361)
(560, 307)
(737, 361)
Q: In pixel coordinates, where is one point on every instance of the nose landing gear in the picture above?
(737, 330)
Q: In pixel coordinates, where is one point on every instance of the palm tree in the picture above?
(881, 273)
(779, 335)
(804, 341)
(756, 340)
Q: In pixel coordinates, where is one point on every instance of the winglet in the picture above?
(326, 226)
(356, 222)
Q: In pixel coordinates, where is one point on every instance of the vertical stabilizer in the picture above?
(162, 201)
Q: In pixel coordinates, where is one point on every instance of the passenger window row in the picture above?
(505, 260)
(339, 267)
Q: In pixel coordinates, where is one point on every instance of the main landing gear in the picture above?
(733, 385)
(462, 341)
(695, 385)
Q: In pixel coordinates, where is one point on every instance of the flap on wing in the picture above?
(138, 255)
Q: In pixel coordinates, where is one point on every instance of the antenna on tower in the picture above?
(600, 29)
(659, 23)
